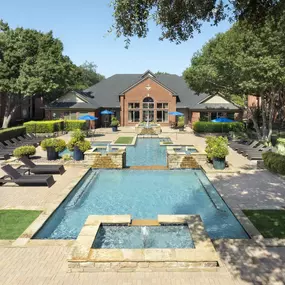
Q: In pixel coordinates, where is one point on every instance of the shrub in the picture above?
(44, 126)
(274, 162)
(114, 122)
(58, 144)
(211, 127)
(26, 150)
(10, 133)
(78, 139)
(217, 147)
(281, 146)
(71, 125)
(67, 157)
(180, 123)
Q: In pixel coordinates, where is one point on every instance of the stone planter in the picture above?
(219, 163)
(115, 128)
(51, 153)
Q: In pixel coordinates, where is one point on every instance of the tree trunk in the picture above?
(264, 123)
(255, 124)
(270, 117)
(10, 109)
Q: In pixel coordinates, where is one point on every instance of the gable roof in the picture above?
(106, 93)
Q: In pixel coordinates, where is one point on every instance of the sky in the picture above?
(82, 27)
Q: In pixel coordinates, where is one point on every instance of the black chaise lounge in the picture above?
(26, 180)
(42, 169)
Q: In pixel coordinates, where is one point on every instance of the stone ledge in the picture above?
(111, 219)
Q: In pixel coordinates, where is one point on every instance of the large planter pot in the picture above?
(51, 153)
(219, 163)
(78, 154)
(115, 128)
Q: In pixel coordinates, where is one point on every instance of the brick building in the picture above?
(141, 97)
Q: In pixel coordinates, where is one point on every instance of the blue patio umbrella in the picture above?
(175, 113)
(107, 112)
(88, 118)
(222, 120)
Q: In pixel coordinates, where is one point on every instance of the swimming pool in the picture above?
(146, 152)
(143, 194)
(170, 236)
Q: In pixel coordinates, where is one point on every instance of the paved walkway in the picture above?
(243, 262)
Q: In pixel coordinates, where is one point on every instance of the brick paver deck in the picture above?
(243, 262)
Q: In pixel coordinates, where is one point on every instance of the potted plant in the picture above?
(180, 123)
(217, 150)
(53, 147)
(26, 150)
(114, 124)
(78, 145)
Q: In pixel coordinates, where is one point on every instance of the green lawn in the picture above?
(270, 223)
(14, 222)
(124, 140)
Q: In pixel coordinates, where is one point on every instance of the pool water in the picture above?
(146, 152)
(143, 237)
(143, 194)
(185, 150)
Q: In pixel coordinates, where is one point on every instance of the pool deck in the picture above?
(242, 261)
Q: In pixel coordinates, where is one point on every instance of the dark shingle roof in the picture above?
(211, 106)
(106, 92)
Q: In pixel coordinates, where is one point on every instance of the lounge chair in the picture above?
(42, 169)
(26, 180)
(34, 139)
(244, 148)
(4, 155)
(21, 143)
(258, 149)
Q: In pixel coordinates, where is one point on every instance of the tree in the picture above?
(179, 19)
(245, 61)
(88, 75)
(161, 72)
(31, 62)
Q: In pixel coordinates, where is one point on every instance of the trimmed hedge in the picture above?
(9, 133)
(274, 162)
(54, 126)
(72, 125)
(44, 126)
(211, 127)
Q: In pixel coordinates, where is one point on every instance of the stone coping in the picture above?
(93, 151)
(203, 250)
(49, 209)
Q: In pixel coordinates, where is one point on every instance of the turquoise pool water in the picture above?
(143, 237)
(143, 194)
(146, 152)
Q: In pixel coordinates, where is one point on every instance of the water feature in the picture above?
(144, 194)
(172, 236)
(146, 152)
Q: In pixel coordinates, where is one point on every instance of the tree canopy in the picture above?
(180, 19)
(244, 61)
(32, 63)
(88, 75)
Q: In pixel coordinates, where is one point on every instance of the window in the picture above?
(162, 105)
(215, 115)
(134, 116)
(231, 116)
(147, 99)
(162, 116)
(204, 116)
(148, 116)
(134, 105)
(148, 103)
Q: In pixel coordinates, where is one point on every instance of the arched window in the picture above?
(148, 109)
(147, 99)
